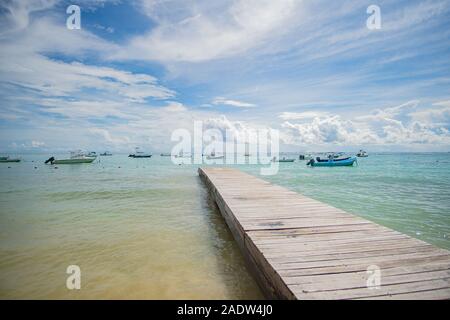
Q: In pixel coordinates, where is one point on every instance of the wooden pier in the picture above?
(300, 248)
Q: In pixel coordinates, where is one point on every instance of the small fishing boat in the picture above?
(8, 159)
(106, 154)
(362, 154)
(75, 158)
(332, 162)
(140, 154)
(284, 159)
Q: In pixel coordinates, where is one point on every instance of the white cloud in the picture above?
(400, 125)
(173, 106)
(233, 103)
(199, 31)
(302, 115)
(37, 144)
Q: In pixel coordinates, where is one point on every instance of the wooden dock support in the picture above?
(300, 248)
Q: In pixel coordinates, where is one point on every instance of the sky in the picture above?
(138, 70)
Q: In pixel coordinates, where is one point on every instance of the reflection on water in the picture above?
(146, 230)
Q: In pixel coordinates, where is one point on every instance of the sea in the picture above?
(147, 228)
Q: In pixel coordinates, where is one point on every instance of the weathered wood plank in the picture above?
(300, 248)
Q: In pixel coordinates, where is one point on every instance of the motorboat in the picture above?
(140, 154)
(362, 154)
(75, 157)
(332, 162)
(8, 159)
(105, 154)
(284, 159)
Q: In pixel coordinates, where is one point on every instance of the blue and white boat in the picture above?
(332, 162)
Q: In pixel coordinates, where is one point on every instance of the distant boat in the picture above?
(105, 154)
(8, 159)
(166, 155)
(75, 157)
(92, 154)
(181, 155)
(140, 154)
(213, 156)
(362, 154)
(284, 159)
(305, 157)
(331, 162)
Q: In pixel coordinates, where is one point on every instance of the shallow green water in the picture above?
(145, 228)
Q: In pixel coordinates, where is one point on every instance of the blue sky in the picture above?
(137, 70)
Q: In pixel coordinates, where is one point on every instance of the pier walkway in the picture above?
(300, 248)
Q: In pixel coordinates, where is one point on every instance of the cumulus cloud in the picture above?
(405, 124)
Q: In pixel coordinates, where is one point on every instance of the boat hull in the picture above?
(135, 156)
(9, 160)
(73, 161)
(333, 163)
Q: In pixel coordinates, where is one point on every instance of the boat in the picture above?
(362, 154)
(92, 154)
(305, 156)
(332, 162)
(75, 157)
(140, 154)
(105, 154)
(166, 155)
(8, 159)
(213, 156)
(284, 159)
(181, 155)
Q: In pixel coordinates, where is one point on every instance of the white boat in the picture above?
(181, 155)
(362, 154)
(284, 159)
(8, 159)
(75, 157)
(213, 156)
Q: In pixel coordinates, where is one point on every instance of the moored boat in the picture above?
(284, 159)
(75, 158)
(140, 154)
(213, 156)
(332, 162)
(8, 159)
(362, 154)
(105, 154)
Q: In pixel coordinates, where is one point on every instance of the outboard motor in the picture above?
(310, 162)
(50, 160)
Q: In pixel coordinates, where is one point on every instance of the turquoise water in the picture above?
(146, 228)
(405, 191)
